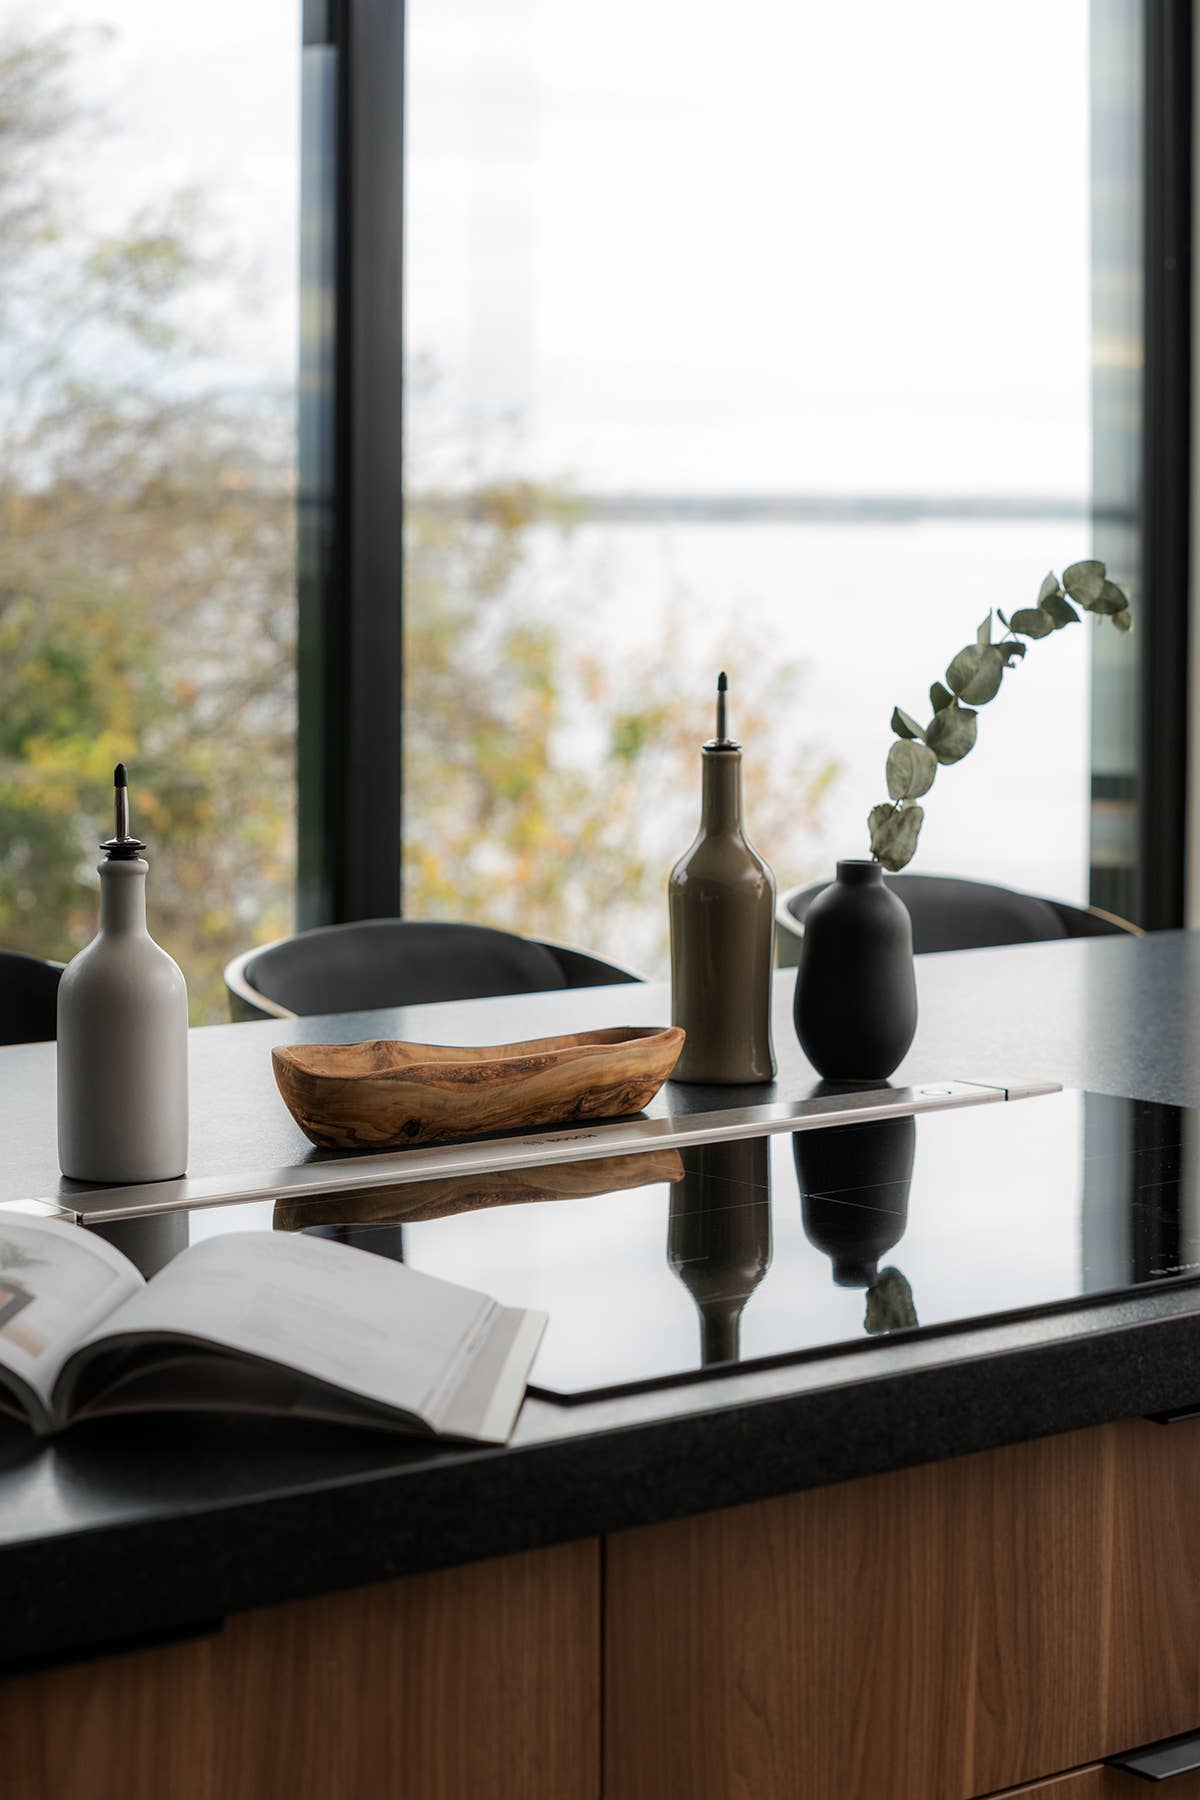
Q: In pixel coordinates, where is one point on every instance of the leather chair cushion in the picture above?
(28, 998)
(399, 962)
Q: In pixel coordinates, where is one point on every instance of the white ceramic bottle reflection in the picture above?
(122, 1034)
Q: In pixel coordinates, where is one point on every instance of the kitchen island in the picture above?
(937, 1565)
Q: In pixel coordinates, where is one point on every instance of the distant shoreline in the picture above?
(816, 509)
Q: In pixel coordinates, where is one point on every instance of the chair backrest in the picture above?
(28, 998)
(949, 913)
(403, 962)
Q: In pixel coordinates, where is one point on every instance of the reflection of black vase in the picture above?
(719, 1236)
(856, 994)
(856, 1229)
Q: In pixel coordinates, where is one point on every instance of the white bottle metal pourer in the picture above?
(122, 1034)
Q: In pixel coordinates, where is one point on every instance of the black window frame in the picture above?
(350, 570)
(1163, 618)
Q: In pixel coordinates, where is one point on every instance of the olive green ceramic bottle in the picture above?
(722, 905)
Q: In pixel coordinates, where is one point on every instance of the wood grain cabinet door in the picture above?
(944, 1632)
(480, 1681)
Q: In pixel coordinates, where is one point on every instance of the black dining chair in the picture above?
(28, 998)
(950, 913)
(402, 962)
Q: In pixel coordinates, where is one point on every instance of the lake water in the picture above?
(872, 614)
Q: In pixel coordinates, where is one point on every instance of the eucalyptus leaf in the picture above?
(889, 1304)
(1110, 600)
(1060, 610)
(973, 678)
(1083, 581)
(951, 734)
(1033, 621)
(910, 770)
(964, 668)
(894, 834)
(904, 727)
(1012, 648)
(976, 674)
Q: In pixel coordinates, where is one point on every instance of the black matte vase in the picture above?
(856, 994)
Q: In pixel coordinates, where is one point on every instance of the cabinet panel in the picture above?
(935, 1634)
(478, 1680)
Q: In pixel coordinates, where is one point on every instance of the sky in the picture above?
(205, 98)
(836, 248)
(823, 247)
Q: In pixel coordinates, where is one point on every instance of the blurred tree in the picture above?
(146, 548)
(147, 613)
(550, 787)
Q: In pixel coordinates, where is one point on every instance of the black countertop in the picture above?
(1113, 1014)
(126, 1531)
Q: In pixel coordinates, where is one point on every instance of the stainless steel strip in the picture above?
(394, 1167)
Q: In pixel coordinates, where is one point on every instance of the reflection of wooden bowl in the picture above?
(411, 1200)
(382, 1095)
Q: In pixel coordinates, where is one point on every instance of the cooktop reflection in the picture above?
(664, 1265)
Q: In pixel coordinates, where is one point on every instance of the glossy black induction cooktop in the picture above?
(663, 1265)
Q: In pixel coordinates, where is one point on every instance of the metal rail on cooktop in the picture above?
(575, 1144)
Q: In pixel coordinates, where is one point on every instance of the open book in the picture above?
(255, 1322)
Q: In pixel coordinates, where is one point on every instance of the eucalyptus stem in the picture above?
(974, 677)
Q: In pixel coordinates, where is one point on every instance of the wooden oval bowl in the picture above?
(381, 1095)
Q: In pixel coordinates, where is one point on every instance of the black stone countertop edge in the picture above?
(112, 1587)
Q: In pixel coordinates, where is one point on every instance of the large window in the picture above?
(148, 197)
(764, 343)
(787, 343)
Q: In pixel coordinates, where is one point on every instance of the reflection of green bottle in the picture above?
(722, 905)
(719, 1236)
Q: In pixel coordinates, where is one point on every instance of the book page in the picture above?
(357, 1321)
(57, 1282)
(194, 1378)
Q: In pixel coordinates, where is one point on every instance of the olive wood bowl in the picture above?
(383, 1095)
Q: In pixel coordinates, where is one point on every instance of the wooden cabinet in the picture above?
(944, 1632)
(482, 1680)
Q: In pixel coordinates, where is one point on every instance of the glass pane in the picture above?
(732, 345)
(148, 306)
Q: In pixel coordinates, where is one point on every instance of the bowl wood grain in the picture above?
(382, 1095)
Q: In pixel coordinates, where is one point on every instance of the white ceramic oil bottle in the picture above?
(122, 1034)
